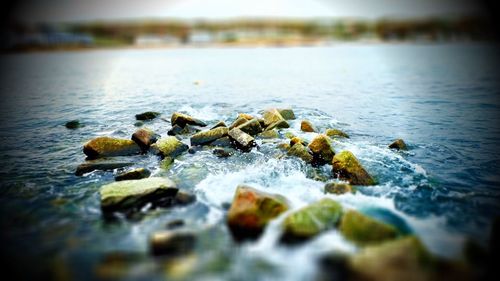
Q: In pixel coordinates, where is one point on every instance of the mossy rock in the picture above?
(333, 133)
(339, 188)
(245, 116)
(219, 124)
(242, 140)
(169, 147)
(237, 122)
(311, 220)
(363, 230)
(321, 148)
(300, 151)
(182, 120)
(178, 130)
(148, 115)
(283, 146)
(108, 147)
(144, 137)
(272, 116)
(135, 174)
(271, 134)
(287, 113)
(295, 140)
(278, 125)
(347, 167)
(307, 126)
(133, 194)
(251, 127)
(251, 210)
(206, 137)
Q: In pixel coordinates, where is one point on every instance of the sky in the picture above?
(89, 10)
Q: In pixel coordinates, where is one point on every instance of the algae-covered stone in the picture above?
(242, 140)
(295, 140)
(251, 210)
(246, 116)
(172, 243)
(169, 147)
(321, 148)
(134, 174)
(182, 120)
(339, 188)
(398, 144)
(178, 130)
(223, 152)
(219, 124)
(94, 165)
(73, 124)
(251, 127)
(283, 146)
(206, 137)
(307, 126)
(128, 194)
(271, 134)
(107, 146)
(287, 113)
(278, 125)
(148, 115)
(336, 133)
(347, 167)
(364, 230)
(144, 138)
(300, 151)
(271, 116)
(237, 122)
(311, 220)
(222, 142)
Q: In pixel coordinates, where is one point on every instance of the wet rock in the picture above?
(222, 142)
(339, 188)
(144, 138)
(237, 122)
(206, 137)
(169, 147)
(334, 267)
(251, 127)
(321, 148)
(251, 210)
(245, 116)
(307, 126)
(363, 230)
(283, 146)
(223, 152)
(287, 113)
(172, 243)
(73, 124)
(177, 130)
(148, 115)
(90, 166)
(300, 151)
(182, 120)
(271, 134)
(347, 167)
(166, 163)
(184, 198)
(278, 125)
(133, 194)
(135, 174)
(219, 124)
(271, 116)
(138, 123)
(175, 224)
(242, 140)
(332, 133)
(107, 146)
(398, 144)
(289, 135)
(295, 140)
(311, 220)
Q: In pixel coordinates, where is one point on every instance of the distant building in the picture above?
(156, 40)
(200, 37)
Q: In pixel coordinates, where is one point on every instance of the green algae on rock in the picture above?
(251, 127)
(307, 126)
(144, 137)
(398, 144)
(169, 147)
(271, 134)
(273, 119)
(182, 120)
(300, 151)
(251, 210)
(363, 230)
(311, 220)
(346, 166)
(148, 115)
(206, 137)
(321, 148)
(332, 133)
(108, 147)
(135, 174)
(178, 130)
(129, 194)
(339, 188)
(286, 113)
(219, 124)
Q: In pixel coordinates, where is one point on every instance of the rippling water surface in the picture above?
(442, 99)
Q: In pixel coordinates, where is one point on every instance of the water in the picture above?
(441, 99)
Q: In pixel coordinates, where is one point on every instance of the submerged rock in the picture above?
(222, 142)
(178, 130)
(271, 134)
(311, 220)
(133, 194)
(278, 125)
(398, 144)
(273, 119)
(73, 124)
(223, 152)
(336, 133)
(144, 138)
(172, 243)
(299, 150)
(148, 115)
(339, 188)
(107, 146)
(134, 174)
(251, 127)
(286, 113)
(206, 137)
(242, 140)
(347, 167)
(251, 210)
(219, 124)
(102, 166)
(363, 230)
(321, 148)
(307, 126)
(183, 198)
(169, 147)
(183, 119)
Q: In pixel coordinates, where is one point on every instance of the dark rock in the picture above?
(90, 166)
(242, 140)
(194, 149)
(398, 144)
(175, 224)
(332, 133)
(307, 126)
(286, 113)
(278, 125)
(184, 198)
(172, 243)
(321, 148)
(237, 122)
(363, 230)
(347, 167)
(135, 174)
(219, 124)
(222, 142)
(206, 137)
(334, 267)
(73, 124)
(295, 140)
(182, 120)
(177, 130)
(251, 127)
(149, 115)
(339, 188)
(138, 123)
(169, 147)
(251, 210)
(300, 151)
(106, 146)
(223, 152)
(144, 138)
